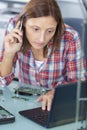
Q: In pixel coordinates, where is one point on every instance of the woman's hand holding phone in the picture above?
(13, 41)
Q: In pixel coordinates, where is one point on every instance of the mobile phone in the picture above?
(21, 24)
(20, 28)
(6, 116)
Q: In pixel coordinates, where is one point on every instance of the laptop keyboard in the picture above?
(38, 115)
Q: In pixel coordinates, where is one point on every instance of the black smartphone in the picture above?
(6, 116)
(20, 27)
(21, 24)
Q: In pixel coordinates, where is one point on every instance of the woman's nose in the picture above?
(42, 38)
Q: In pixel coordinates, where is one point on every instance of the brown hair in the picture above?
(40, 8)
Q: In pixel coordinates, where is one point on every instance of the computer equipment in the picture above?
(6, 116)
(28, 90)
(63, 109)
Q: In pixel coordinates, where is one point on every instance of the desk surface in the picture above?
(15, 105)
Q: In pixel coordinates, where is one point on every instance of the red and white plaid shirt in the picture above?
(64, 66)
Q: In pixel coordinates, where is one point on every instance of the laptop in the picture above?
(63, 108)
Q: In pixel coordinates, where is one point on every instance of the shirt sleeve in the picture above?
(8, 78)
(75, 60)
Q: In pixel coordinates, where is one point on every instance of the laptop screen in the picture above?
(64, 104)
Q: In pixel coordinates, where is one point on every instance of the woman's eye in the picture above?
(50, 31)
(35, 29)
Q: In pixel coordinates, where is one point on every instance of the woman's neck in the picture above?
(38, 54)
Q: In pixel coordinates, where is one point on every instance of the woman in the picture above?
(48, 51)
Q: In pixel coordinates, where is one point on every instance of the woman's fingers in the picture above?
(9, 38)
(13, 41)
(17, 38)
(18, 25)
(46, 100)
(14, 36)
(39, 99)
(49, 103)
(43, 99)
(44, 103)
(17, 31)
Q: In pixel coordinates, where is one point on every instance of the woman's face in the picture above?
(39, 31)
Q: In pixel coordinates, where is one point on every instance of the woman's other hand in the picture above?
(46, 100)
(13, 41)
